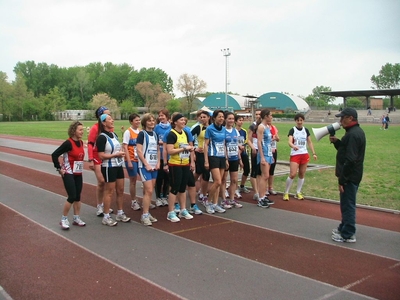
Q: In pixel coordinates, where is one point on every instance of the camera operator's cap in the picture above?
(348, 111)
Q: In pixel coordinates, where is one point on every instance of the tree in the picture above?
(19, 96)
(190, 86)
(174, 105)
(54, 102)
(127, 107)
(105, 100)
(388, 78)
(5, 91)
(149, 92)
(83, 84)
(318, 99)
(354, 102)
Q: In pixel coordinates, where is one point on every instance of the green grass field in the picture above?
(380, 186)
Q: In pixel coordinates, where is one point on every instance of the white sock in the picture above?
(106, 216)
(299, 185)
(120, 212)
(289, 182)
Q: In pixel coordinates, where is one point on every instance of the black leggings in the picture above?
(246, 163)
(73, 186)
(272, 166)
(162, 181)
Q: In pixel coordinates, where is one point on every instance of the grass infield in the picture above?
(380, 186)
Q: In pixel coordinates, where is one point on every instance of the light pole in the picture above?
(226, 52)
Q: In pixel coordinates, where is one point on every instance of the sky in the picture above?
(288, 46)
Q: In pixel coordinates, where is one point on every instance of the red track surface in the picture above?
(338, 266)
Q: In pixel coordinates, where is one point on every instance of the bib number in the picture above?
(220, 147)
(78, 167)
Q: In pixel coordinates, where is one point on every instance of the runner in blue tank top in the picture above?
(215, 158)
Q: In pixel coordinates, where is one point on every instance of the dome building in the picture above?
(280, 101)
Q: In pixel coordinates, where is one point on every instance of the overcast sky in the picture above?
(276, 45)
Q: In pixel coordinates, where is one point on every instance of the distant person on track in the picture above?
(275, 139)
(71, 169)
(349, 171)
(95, 161)
(299, 138)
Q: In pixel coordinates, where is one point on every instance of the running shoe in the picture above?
(244, 190)
(152, 206)
(299, 196)
(269, 201)
(145, 220)
(236, 204)
(272, 192)
(135, 205)
(204, 201)
(262, 203)
(109, 221)
(64, 224)
(256, 197)
(100, 210)
(286, 197)
(171, 216)
(185, 214)
(164, 201)
(195, 210)
(238, 195)
(227, 194)
(338, 238)
(159, 202)
(335, 231)
(177, 208)
(218, 208)
(225, 204)
(122, 218)
(152, 219)
(209, 208)
(78, 222)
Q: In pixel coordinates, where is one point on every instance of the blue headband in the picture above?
(103, 117)
(101, 110)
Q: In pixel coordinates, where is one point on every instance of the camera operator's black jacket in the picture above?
(350, 155)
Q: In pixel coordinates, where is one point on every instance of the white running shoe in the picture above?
(159, 202)
(238, 195)
(135, 205)
(78, 222)
(64, 224)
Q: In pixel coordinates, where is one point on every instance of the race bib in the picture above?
(78, 167)
(220, 147)
(184, 154)
(232, 149)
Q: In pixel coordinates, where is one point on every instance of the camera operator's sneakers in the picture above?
(286, 197)
(338, 238)
(299, 196)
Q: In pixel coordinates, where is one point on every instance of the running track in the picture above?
(278, 253)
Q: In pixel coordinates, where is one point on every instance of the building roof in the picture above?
(365, 93)
(282, 101)
(217, 101)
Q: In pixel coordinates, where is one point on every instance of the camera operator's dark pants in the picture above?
(347, 227)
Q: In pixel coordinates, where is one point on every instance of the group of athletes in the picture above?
(170, 158)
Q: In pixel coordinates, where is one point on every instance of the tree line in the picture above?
(40, 90)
